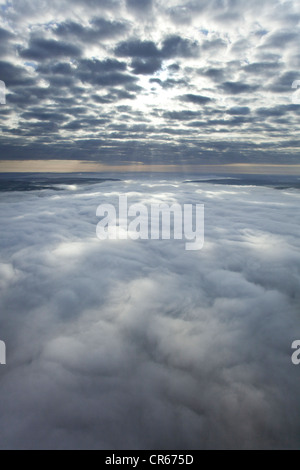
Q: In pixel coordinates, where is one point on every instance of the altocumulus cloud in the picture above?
(158, 59)
(127, 344)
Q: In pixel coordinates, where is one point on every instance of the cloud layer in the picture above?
(82, 75)
(124, 344)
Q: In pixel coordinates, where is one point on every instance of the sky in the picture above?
(149, 82)
(140, 344)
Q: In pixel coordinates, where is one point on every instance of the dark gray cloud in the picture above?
(5, 34)
(14, 75)
(96, 5)
(114, 96)
(215, 74)
(278, 111)
(140, 6)
(5, 38)
(170, 83)
(172, 47)
(283, 83)
(176, 46)
(280, 39)
(108, 79)
(195, 99)
(44, 49)
(182, 115)
(34, 129)
(61, 81)
(136, 48)
(99, 29)
(57, 68)
(238, 120)
(174, 67)
(263, 68)
(99, 67)
(106, 73)
(239, 111)
(236, 88)
(146, 66)
(213, 45)
(43, 116)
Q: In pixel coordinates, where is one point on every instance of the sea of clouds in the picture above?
(141, 344)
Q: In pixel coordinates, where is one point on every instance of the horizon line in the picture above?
(79, 166)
